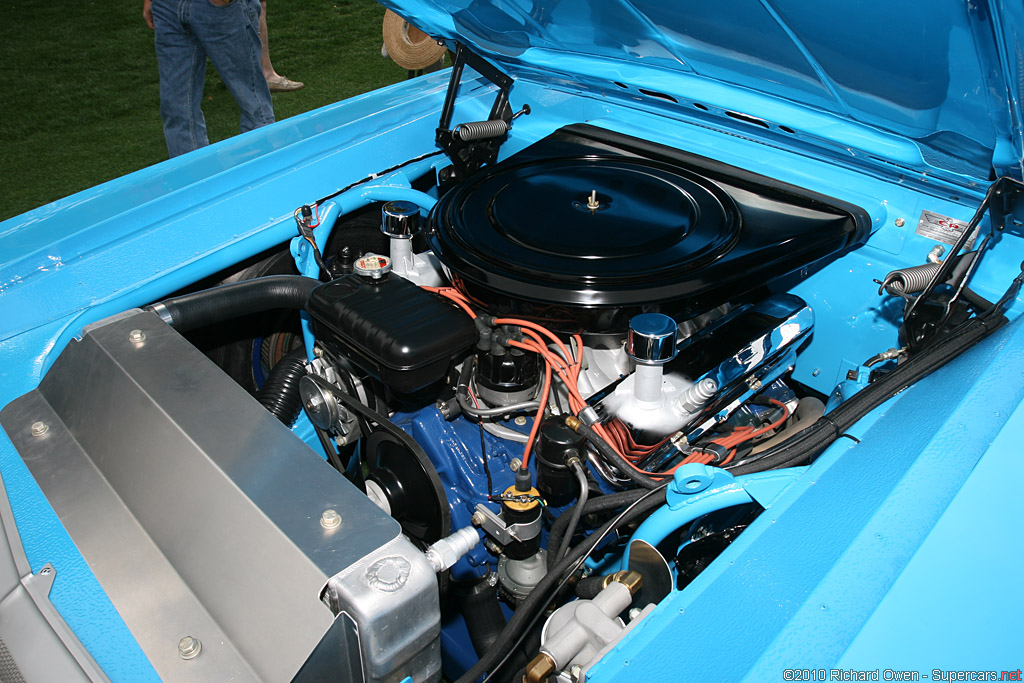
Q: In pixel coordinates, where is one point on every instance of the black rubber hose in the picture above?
(605, 449)
(541, 594)
(979, 302)
(483, 615)
(280, 393)
(198, 309)
(811, 441)
(575, 514)
(588, 588)
(606, 503)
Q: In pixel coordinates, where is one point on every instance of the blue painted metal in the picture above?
(797, 588)
(454, 448)
(697, 490)
(963, 568)
(855, 379)
(889, 78)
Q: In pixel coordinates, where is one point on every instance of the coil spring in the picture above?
(909, 280)
(479, 130)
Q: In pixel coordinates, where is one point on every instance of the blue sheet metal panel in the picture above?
(928, 76)
(950, 608)
(796, 588)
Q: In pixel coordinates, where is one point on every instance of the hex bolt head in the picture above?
(575, 671)
(521, 420)
(330, 519)
(515, 464)
(39, 428)
(634, 613)
(900, 222)
(189, 647)
(477, 519)
(136, 336)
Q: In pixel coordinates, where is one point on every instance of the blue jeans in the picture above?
(189, 31)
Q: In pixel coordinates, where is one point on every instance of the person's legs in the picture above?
(230, 35)
(265, 63)
(276, 81)
(181, 63)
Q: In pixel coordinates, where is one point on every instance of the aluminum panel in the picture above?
(198, 511)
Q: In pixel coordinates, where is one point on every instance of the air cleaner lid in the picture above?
(590, 230)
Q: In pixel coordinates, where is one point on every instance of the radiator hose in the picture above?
(198, 309)
(280, 393)
(484, 618)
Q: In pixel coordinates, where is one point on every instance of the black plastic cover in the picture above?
(401, 334)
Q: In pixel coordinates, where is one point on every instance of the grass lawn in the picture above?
(82, 101)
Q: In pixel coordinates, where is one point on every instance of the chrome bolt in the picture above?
(136, 336)
(900, 222)
(189, 647)
(477, 519)
(492, 579)
(515, 464)
(521, 420)
(575, 671)
(634, 613)
(313, 402)
(330, 519)
(39, 428)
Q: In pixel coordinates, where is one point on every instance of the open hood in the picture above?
(930, 85)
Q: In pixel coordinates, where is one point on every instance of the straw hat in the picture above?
(408, 46)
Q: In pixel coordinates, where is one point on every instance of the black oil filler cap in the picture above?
(401, 334)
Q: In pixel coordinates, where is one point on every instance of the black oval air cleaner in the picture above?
(585, 232)
(586, 228)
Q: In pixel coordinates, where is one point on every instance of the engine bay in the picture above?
(573, 378)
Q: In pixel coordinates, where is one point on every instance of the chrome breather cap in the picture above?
(651, 338)
(400, 219)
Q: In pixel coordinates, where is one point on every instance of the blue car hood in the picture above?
(943, 79)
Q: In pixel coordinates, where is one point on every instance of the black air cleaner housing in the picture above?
(586, 228)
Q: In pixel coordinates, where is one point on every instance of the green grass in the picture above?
(82, 101)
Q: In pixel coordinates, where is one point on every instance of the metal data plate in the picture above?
(196, 509)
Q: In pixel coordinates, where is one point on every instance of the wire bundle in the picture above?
(564, 364)
(732, 441)
(613, 439)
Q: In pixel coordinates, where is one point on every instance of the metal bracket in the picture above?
(39, 584)
(761, 487)
(931, 312)
(495, 526)
(468, 156)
